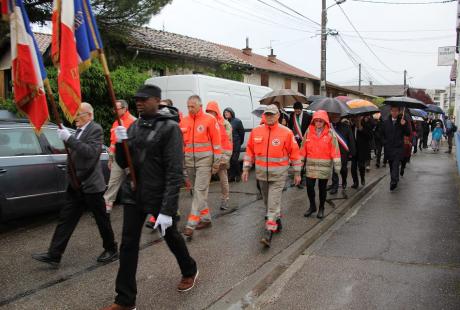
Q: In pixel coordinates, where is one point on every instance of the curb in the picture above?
(245, 293)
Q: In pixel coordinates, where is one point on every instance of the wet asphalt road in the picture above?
(400, 250)
(226, 254)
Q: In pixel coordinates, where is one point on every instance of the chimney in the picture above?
(247, 50)
(272, 57)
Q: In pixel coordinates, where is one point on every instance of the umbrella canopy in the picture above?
(418, 112)
(385, 111)
(312, 98)
(286, 97)
(362, 107)
(259, 111)
(344, 99)
(330, 105)
(434, 109)
(417, 118)
(405, 102)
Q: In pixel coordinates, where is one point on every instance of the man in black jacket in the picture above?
(156, 147)
(362, 132)
(347, 150)
(393, 131)
(85, 148)
(238, 140)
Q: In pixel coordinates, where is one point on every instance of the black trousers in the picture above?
(425, 139)
(70, 215)
(133, 222)
(355, 165)
(394, 170)
(343, 174)
(322, 184)
(235, 168)
(378, 153)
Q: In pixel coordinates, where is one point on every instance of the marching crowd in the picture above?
(167, 149)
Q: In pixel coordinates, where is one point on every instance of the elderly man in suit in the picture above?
(85, 148)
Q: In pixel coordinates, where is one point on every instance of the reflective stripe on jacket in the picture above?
(126, 121)
(322, 152)
(201, 139)
(273, 149)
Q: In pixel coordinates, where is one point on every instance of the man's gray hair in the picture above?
(195, 98)
(123, 102)
(88, 107)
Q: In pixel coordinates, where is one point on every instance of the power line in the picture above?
(415, 30)
(277, 9)
(365, 43)
(341, 70)
(300, 14)
(405, 3)
(402, 39)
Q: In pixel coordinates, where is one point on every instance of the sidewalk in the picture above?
(397, 250)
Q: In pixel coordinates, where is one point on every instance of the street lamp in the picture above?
(323, 43)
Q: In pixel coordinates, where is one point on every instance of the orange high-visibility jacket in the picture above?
(322, 152)
(273, 149)
(201, 140)
(126, 121)
(224, 127)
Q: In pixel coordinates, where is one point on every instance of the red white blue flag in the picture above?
(75, 33)
(28, 72)
(6, 8)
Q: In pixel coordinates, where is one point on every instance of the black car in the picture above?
(32, 171)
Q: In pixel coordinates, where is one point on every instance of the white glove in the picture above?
(164, 221)
(121, 133)
(63, 134)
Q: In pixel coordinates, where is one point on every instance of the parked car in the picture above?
(32, 169)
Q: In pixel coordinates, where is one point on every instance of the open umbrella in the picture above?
(405, 102)
(362, 107)
(259, 111)
(418, 112)
(330, 105)
(385, 110)
(344, 99)
(286, 97)
(312, 98)
(434, 109)
(417, 118)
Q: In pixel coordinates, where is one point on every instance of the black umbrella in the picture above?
(259, 111)
(405, 102)
(385, 111)
(434, 109)
(286, 97)
(330, 105)
(312, 98)
(418, 112)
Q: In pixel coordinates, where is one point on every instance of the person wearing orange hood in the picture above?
(320, 150)
(273, 148)
(227, 149)
(202, 148)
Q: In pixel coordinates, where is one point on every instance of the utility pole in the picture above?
(323, 91)
(359, 82)
(405, 84)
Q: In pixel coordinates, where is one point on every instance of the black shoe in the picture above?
(344, 186)
(377, 166)
(108, 256)
(259, 196)
(47, 258)
(355, 185)
(333, 191)
(401, 173)
(300, 186)
(310, 212)
(384, 165)
(320, 214)
(329, 187)
(237, 179)
(279, 225)
(393, 186)
(231, 179)
(267, 238)
(363, 182)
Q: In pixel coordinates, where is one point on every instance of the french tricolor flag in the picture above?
(75, 42)
(28, 72)
(6, 8)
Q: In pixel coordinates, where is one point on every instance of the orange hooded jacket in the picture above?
(201, 140)
(322, 152)
(273, 149)
(224, 127)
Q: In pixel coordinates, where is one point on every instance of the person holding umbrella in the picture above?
(362, 134)
(394, 129)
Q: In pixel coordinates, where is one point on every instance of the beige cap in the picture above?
(271, 109)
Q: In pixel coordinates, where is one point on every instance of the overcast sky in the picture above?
(400, 36)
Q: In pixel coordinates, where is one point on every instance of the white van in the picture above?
(243, 98)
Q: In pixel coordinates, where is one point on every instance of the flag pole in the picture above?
(105, 68)
(73, 175)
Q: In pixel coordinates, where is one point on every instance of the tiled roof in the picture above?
(43, 41)
(380, 90)
(262, 62)
(176, 44)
